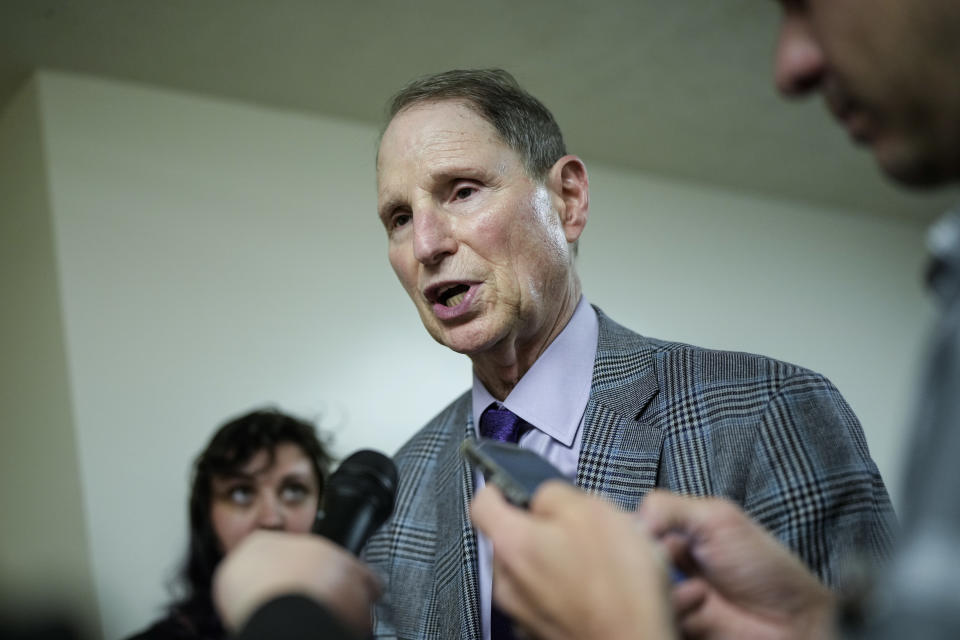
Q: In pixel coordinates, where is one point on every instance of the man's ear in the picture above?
(570, 188)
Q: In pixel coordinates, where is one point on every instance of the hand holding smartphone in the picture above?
(517, 472)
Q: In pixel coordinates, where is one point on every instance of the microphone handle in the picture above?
(352, 532)
(363, 524)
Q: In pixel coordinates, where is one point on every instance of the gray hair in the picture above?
(521, 120)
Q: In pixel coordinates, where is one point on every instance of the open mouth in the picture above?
(453, 295)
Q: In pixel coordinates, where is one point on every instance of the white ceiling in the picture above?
(679, 88)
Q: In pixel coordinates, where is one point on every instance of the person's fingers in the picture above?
(524, 607)
(662, 512)
(507, 594)
(368, 581)
(556, 496)
(269, 563)
(694, 625)
(513, 532)
(676, 547)
(488, 508)
(688, 595)
(717, 619)
(705, 619)
(352, 601)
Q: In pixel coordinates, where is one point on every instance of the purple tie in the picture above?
(499, 423)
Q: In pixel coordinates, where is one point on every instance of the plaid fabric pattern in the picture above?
(775, 438)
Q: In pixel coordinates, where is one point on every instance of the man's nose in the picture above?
(269, 513)
(799, 63)
(433, 237)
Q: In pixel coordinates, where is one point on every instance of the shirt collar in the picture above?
(553, 394)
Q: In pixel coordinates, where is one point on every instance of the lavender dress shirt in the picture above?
(552, 396)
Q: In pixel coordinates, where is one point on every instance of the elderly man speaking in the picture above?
(483, 209)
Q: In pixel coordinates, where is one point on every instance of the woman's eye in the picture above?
(241, 495)
(293, 493)
(401, 219)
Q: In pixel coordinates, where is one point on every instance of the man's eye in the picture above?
(400, 220)
(464, 192)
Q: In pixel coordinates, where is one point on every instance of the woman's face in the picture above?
(281, 496)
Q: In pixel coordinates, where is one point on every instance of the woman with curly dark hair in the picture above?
(263, 470)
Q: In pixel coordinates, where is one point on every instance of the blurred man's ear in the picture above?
(570, 187)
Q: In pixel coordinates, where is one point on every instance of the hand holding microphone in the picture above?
(268, 564)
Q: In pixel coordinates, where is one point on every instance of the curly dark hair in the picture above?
(230, 448)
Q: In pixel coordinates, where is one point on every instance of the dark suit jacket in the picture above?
(294, 617)
(775, 438)
(287, 617)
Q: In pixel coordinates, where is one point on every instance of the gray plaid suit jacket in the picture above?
(775, 438)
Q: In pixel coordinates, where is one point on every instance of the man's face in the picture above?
(476, 242)
(888, 72)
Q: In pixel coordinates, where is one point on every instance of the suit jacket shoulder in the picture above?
(776, 438)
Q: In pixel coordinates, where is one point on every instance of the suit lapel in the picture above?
(455, 582)
(620, 456)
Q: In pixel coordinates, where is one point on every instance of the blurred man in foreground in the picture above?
(889, 70)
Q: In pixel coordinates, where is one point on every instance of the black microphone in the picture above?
(358, 499)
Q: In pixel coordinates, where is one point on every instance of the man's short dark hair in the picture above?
(521, 120)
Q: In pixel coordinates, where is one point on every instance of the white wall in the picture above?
(44, 550)
(216, 256)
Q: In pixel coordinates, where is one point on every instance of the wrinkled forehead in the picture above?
(436, 127)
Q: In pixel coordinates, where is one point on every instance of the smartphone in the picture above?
(517, 472)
